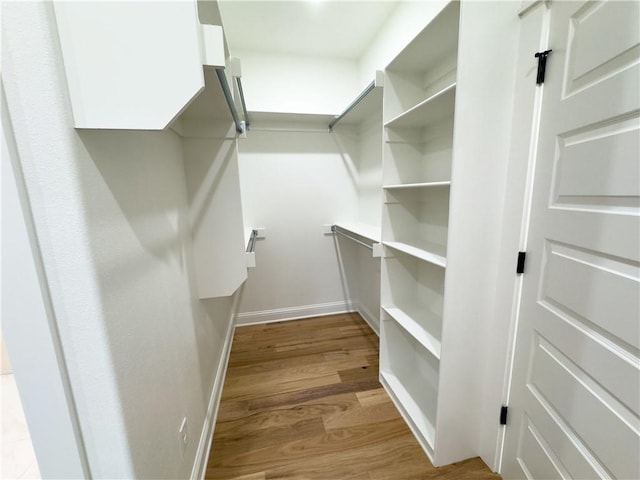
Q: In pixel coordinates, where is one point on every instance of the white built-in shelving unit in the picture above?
(419, 105)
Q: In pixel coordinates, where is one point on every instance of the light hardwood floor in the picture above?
(302, 400)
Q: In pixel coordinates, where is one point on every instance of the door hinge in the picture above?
(542, 65)
(504, 411)
(521, 259)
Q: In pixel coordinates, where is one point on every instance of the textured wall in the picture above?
(110, 210)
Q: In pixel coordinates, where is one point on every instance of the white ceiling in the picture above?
(338, 29)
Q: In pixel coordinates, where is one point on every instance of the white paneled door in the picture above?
(575, 395)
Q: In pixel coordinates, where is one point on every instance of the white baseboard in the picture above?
(291, 313)
(204, 446)
(370, 318)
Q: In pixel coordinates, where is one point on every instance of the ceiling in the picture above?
(327, 28)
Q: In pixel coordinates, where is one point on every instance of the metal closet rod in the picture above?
(222, 78)
(353, 104)
(251, 246)
(244, 105)
(336, 229)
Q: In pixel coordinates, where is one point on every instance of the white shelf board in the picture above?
(399, 186)
(434, 255)
(371, 232)
(437, 107)
(426, 339)
(406, 404)
(369, 106)
(420, 54)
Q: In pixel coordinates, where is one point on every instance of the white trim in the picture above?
(293, 313)
(29, 320)
(206, 438)
(529, 5)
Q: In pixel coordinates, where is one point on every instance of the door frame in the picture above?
(534, 31)
(30, 329)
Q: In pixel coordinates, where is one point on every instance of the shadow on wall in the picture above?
(131, 164)
(208, 172)
(159, 342)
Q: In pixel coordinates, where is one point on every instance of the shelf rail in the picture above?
(251, 244)
(222, 78)
(340, 231)
(244, 105)
(368, 89)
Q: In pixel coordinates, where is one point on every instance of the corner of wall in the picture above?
(208, 428)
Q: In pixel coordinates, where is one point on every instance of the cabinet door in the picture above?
(575, 397)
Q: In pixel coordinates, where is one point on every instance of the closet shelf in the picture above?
(366, 105)
(431, 110)
(442, 31)
(370, 232)
(406, 404)
(399, 186)
(435, 255)
(426, 339)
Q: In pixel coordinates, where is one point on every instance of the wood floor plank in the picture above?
(279, 400)
(298, 372)
(257, 420)
(373, 397)
(337, 442)
(302, 400)
(360, 416)
(399, 458)
(260, 389)
(235, 443)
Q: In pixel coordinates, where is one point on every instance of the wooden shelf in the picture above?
(431, 110)
(435, 254)
(446, 183)
(371, 232)
(416, 330)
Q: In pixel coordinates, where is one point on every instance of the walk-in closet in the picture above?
(224, 220)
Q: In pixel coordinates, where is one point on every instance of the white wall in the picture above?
(369, 161)
(297, 84)
(407, 20)
(292, 184)
(110, 212)
(369, 212)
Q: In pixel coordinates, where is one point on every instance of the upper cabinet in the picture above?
(134, 65)
(152, 65)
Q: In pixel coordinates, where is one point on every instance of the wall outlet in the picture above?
(183, 435)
